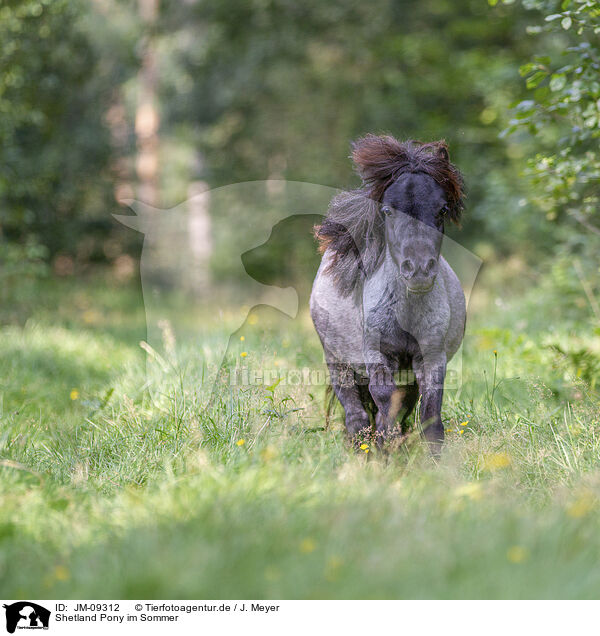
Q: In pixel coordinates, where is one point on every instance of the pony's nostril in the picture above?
(407, 268)
(430, 265)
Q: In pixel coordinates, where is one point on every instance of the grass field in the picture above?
(107, 493)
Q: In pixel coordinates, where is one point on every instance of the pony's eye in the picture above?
(444, 210)
(386, 210)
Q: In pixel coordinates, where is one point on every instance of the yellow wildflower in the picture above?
(461, 431)
(242, 338)
(240, 442)
(244, 354)
(307, 546)
(494, 461)
(581, 506)
(74, 395)
(471, 490)
(61, 573)
(90, 316)
(517, 554)
(364, 447)
(268, 453)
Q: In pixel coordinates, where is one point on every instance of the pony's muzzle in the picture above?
(419, 274)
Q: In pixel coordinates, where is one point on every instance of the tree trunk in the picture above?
(146, 117)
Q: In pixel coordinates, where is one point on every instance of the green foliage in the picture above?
(18, 261)
(55, 147)
(580, 357)
(563, 112)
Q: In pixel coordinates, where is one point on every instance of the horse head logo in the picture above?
(200, 278)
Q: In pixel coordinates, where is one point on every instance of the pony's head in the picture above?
(410, 189)
(418, 190)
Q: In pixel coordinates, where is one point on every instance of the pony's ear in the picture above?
(375, 156)
(442, 150)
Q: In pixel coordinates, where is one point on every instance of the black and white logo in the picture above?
(26, 615)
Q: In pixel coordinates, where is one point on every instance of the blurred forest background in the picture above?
(158, 99)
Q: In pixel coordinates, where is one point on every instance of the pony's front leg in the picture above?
(383, 390)
(344, 385)
(430, 372)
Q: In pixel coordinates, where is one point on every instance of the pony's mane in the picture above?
(353, 227)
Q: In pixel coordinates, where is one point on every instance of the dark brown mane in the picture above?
(353, 228)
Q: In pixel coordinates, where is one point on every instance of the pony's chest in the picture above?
(406, 324)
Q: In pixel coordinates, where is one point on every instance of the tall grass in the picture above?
(115, 484)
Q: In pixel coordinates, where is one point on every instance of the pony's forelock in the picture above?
(381, 159)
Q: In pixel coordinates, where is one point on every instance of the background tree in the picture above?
(561, 117)
(61, 69)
